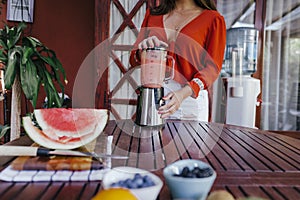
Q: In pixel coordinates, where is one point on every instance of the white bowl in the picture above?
(188, 188)
(122, 173)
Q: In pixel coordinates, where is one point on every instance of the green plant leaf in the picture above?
(32, 42)
(49, 57)
(30, 81)
(10, 70)
(11, 36)
(15, 34)
(3, 57)
(53, 98)
(3, 130)
(3, 39)
(21, 27)
(3, 44)
(55, 64)
(46, 79)
(27, 53)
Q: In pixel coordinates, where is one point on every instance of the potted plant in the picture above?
(28, 65)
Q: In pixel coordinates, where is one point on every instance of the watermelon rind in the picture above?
(41, 138)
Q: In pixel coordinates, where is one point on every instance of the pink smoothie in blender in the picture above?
(153, 67)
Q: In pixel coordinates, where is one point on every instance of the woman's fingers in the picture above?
(166, 108)
(169, 96)
(169, 104)
(143, 44)
(174, 101)
(168, 112)
(170, 107)
(151, 42)
(159, 43)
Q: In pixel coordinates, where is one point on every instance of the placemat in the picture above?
(9, 174)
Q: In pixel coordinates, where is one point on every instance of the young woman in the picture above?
(194, 33)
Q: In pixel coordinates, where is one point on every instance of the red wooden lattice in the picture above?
(104, 95)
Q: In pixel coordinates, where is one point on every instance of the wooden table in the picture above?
(248, 162)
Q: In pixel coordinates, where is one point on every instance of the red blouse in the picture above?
(198, 49)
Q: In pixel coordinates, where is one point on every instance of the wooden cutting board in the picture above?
(56, 163)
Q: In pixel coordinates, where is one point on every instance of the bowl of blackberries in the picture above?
(189, 179)
(142, 183)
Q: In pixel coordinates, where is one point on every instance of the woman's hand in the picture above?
(175, 99)
(151, 42)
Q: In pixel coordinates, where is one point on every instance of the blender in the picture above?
(154, 68)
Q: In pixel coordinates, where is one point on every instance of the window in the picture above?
(281, 72)
(20, 10)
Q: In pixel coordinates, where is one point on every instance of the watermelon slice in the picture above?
(63, 128)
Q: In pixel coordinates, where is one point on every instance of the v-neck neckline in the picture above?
(183, 27)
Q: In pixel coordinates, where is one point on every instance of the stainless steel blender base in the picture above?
(149, 100)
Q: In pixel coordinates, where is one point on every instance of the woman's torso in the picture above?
(188, 44)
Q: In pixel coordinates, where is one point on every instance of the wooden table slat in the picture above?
(234, 148)
(272, 159)
(275, 140)
(119, 141)
(255, 191)
(273, 154)
(160, 160)
(34, 190)
(292, 193)
(272, 192)
(90, 190)
(5, 187)
(244, 151)
(200, 138)
(223, 151)
(289, 142)
(75, 187)
(180, 141)
(169, 146)
(236, 191)
(14, 191)
(53, 191)
(144, 151)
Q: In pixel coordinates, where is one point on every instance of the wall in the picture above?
(67, 27)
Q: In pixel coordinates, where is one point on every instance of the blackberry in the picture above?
(196, 172)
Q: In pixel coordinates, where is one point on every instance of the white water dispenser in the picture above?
(241, 89)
